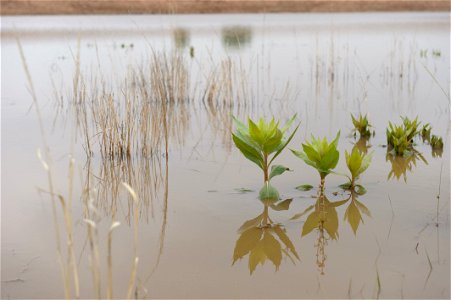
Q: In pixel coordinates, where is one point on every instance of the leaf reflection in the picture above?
(263, 240)
(362, 145)
(353, 213)
(324, 217)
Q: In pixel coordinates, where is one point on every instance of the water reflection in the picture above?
(354, 211)
(362, 145)
(181, 37)
(236, 36)
(263, 239)
(323, 217)
(401, 164)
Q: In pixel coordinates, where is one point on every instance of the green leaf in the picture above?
(277, 170)
(268, 193)
(311, 153)
(345, 186)
(284, 144)
(240, 126)
(273, 142)
(255, 132)
(246, 242)
(248, 151)
(304, 187)
(304, 157)
(288, 125)
(329, 161)
(360, 190)
(366, 161)
(284, 205)
(244, 190)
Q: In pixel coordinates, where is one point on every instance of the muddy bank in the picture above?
(31, 7)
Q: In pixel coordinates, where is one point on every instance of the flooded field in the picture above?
(120, 177)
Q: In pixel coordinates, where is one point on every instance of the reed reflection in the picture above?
(263, 239)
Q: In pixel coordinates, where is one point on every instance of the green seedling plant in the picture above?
(261, 142)
(357, 163)
(400, 137)
(321, 155)
(426, 132)
(361, 125)
(412, 126)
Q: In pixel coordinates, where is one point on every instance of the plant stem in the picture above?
(265, 168)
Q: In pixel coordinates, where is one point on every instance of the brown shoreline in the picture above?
(50, 7)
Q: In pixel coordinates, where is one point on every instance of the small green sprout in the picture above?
(361, 125)
(411, 126)
(320, 154)
(426, 132)
(259, 140)
(400, 137)
(357, 163)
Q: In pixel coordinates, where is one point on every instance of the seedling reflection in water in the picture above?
(321, 155)
(262, 239)
(324, 217)
(353, 213)
(400, 164)
(258, 141)
(357, 164)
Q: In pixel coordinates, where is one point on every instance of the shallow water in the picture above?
(321, 66)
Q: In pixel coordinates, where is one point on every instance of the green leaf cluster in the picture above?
(357, 163)
(400, 137)
(320, 154)
(361, 125)
(258, 140)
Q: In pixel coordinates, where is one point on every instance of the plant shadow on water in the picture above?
(263, 239)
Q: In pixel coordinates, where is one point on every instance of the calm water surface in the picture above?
(197, 193)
